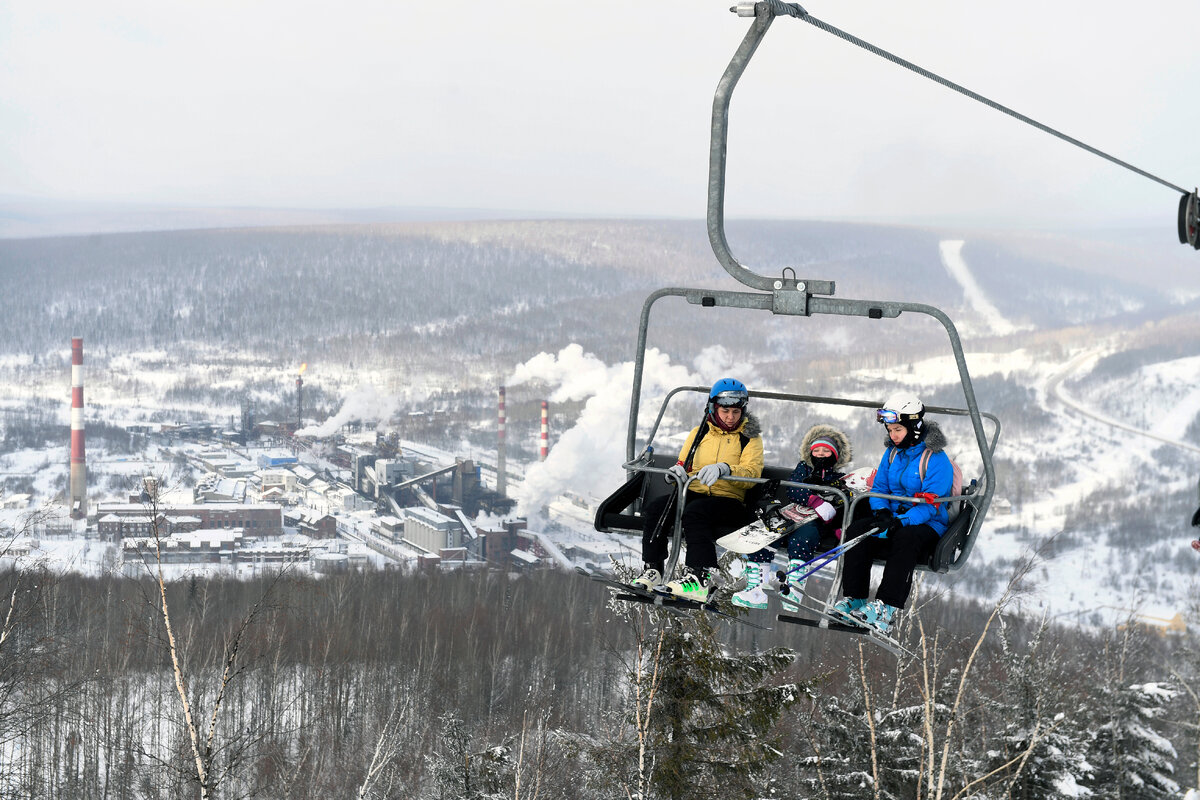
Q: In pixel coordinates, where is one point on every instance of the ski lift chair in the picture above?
(786, 295)
(646, 481)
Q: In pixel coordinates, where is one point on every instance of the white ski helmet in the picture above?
(905, 405)
(905, 409)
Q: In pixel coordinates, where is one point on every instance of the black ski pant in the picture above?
(902, 550)
(705, 519)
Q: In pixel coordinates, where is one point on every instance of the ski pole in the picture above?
(824, 559)
(668, 509)
(672, 503)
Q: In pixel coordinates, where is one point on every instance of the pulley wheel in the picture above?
(1189, 220)
(1183, 204)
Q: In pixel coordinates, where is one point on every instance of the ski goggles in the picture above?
(887, 416)
(731, 399)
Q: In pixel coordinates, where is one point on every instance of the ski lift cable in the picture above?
(795, 10)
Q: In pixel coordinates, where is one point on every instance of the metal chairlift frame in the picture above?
(787, 295)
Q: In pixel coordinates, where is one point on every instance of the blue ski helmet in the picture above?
(729, 393)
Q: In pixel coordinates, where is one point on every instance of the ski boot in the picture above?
(651, 576)
(753, 596)
(876, 615)
(791, 589)
(846, 608)
(690, 587)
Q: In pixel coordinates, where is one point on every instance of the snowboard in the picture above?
(777, 523)
(860, 480)
(773, 525)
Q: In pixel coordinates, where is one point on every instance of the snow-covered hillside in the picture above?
(1098, 452)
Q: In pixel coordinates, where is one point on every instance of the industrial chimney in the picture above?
(501, 474)
(299, 394)
(545, 442)
(78, 486)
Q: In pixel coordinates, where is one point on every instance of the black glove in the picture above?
(1196, 519)
(882, 517)
(894, 524)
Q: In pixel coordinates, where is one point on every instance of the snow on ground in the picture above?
(1179, 378)
(1161, 397)
(943, 369)
(1070, 584)
(61, 554)
(1172, 419)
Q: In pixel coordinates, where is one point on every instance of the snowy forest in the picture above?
(482, 684)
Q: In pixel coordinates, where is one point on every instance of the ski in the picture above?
(600, 577)
(839, 625)
(636, 594)
(679, 603)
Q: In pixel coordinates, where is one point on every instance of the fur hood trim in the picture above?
(749, 426)
(935, 440)
(845, 451)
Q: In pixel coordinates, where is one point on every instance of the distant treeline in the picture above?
(495, 292)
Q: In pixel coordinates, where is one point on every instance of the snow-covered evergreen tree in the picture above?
(700, 717)
(1132, 759)
(461, 773)
(839, 768)
(1039, 753)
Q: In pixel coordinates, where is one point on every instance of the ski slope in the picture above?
(952, 259)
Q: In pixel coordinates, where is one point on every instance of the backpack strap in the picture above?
(700, 433)
(922, 464)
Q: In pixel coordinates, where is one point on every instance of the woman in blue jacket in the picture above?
(907, 532)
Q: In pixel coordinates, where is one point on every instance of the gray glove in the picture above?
(679, 473)
(712, 473)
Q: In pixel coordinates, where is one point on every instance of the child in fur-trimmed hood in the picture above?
(825, 452)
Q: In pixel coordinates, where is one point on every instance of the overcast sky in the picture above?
(599, 108)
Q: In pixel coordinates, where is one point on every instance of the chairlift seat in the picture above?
(613, 514)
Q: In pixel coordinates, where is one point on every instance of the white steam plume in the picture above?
(587, 458)
(716, 362)
(364, 404)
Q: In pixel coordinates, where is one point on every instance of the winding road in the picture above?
(1054, 386)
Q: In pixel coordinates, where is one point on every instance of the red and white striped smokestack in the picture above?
(545, 448)
(501, 467)
(78, 486)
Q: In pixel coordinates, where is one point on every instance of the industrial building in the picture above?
(261, 519)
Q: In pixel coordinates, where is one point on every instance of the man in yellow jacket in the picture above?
(727, 444)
